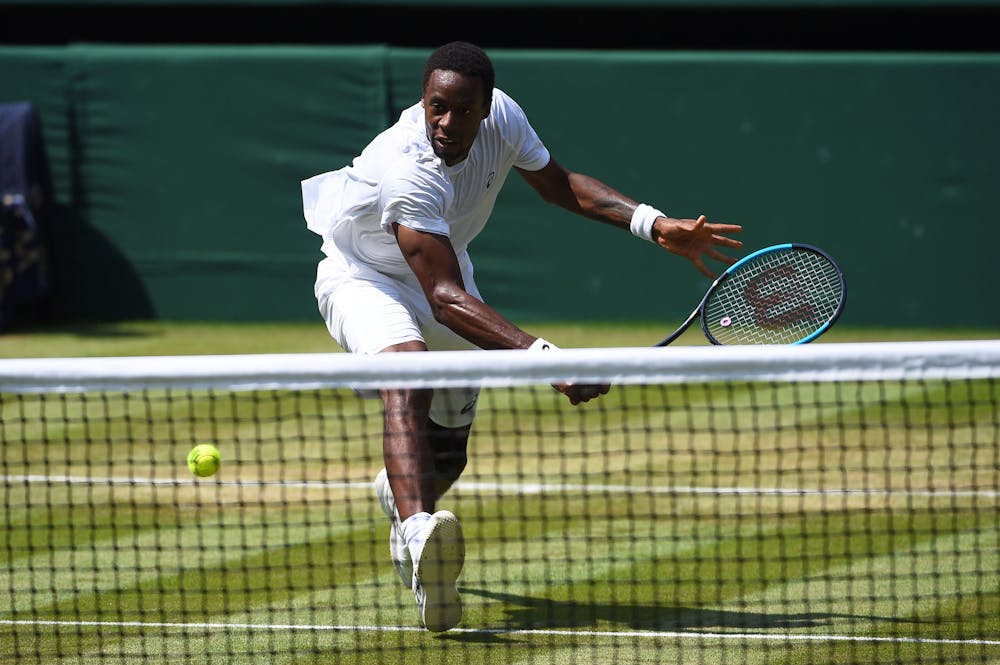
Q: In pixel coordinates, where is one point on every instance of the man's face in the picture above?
(453, 108)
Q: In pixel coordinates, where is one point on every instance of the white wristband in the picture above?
(542, 345)
(642, 221)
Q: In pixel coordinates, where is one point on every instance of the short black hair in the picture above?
(464, 58)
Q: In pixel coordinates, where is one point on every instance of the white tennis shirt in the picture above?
(398, 179)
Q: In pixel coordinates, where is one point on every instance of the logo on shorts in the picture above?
(470, 405)
(489, 179)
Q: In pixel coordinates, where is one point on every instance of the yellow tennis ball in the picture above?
(204, 460)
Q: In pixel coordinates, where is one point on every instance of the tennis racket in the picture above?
(783, 294)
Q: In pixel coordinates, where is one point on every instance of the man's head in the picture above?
(457, 92)
(462, 58)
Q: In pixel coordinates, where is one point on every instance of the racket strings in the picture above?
(779, 297)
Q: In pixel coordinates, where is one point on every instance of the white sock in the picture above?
(413, 533)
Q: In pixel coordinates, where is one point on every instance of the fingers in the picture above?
(579, 393)
(702, 268)
(723, 241)
(720, 257)
(699, 240)
(589, 392)
(725, 228)
(716, 227)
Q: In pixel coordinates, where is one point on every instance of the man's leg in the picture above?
(449, 448)
(406, 449)
(368, 313)
(409, 463)
(434, 538)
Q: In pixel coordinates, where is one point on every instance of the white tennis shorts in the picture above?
(367, 311)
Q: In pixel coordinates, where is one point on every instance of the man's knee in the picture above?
(412, 403)
(450, 447)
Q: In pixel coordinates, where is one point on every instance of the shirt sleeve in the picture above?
(415, 198)
(531, 153)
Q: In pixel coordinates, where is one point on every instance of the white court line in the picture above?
(648, 634)
(511, 488)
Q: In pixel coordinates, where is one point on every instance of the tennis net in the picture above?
(831, 503)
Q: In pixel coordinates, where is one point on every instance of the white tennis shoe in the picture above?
(398, 550)
(438, 565)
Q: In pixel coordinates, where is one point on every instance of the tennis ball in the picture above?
(204, 460)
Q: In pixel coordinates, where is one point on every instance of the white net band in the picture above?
(818, 362)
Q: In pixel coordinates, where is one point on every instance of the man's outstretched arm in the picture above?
(432, 259)
(694, 239)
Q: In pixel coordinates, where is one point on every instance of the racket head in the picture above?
(784, 294)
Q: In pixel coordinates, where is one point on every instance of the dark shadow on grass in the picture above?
(109, 330)
(485, 636)
(528, 613)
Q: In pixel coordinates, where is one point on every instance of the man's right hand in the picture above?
(582, 392)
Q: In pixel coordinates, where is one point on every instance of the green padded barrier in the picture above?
(191, 160)
(178, 168)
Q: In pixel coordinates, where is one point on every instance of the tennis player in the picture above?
(397, 277)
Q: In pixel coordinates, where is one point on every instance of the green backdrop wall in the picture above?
(177, 173)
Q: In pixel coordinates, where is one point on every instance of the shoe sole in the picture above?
(441, 563)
